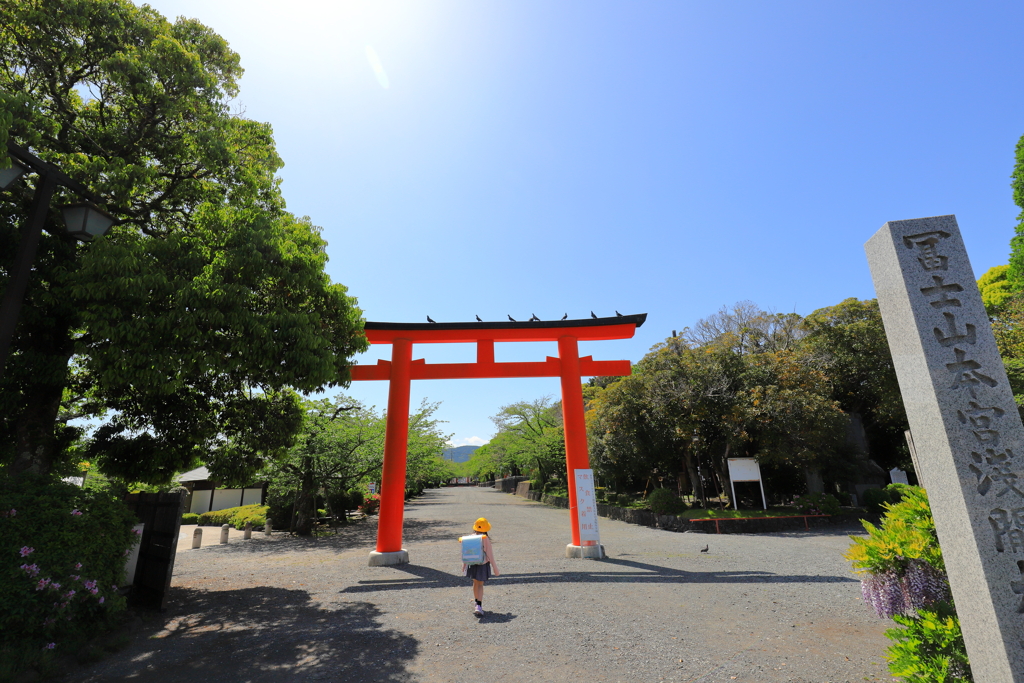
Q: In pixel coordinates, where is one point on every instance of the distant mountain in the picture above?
(459, 453)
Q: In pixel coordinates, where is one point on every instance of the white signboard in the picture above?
(898, 476)
(373, 488)
(586, 509)
(745, 469)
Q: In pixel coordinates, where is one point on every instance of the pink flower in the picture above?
(43, 583)
(55, 586)
(76, 577)
(69, 594)
(26, 551)
(94, 591)
(102, 599)
(91, 585)
(30, 569)
(78, 565)
(50, 646)
(11, 513)
(137, 532)
(76, 513)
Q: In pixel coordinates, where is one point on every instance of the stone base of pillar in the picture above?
(593, 552)
(385, 559)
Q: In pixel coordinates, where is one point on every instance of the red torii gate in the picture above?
(402, 369)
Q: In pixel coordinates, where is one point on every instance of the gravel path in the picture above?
(778, 607)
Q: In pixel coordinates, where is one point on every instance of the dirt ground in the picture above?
(776, 607)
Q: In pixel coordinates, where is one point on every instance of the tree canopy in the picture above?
(188, 324)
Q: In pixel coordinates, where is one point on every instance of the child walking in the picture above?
(481, 572)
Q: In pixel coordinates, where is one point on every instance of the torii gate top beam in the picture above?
(484, 335)
(592, 329)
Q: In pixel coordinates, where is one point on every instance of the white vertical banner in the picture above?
(586, 508)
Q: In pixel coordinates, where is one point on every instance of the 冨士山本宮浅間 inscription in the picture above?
(967, 434)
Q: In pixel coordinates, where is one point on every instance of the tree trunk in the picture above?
(695, 479)
(304, 506)
(35, 434)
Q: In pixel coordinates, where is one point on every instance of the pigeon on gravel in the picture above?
(704, 549)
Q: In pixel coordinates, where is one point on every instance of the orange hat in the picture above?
(482, 525)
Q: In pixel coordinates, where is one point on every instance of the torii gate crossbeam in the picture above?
(402, 369)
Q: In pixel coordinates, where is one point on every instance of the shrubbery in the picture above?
(664, 502)
(875, 500)
(905, 579)
(818, 504)
(371, 504)
(62, 558)
(236, 517)
(190, 518)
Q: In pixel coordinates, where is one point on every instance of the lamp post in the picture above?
(84, 221)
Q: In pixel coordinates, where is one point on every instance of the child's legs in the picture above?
(478, 590)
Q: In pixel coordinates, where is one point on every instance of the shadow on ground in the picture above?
(261, 635)
(426, 577)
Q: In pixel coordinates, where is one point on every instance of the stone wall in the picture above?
(508, 485)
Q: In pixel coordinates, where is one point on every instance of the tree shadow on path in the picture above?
(261, 635)
(427, 577)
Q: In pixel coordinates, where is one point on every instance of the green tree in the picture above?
(1015, 273)
(530, 437)
(848, 343)
(205, 302)
(485, 463)
(341, 444)
(1008, 328)
(425, 463)
(995, 289)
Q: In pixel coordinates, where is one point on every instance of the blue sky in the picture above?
(666, 158)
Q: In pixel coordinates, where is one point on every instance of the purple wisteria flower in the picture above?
(891, 592)
(26, 551)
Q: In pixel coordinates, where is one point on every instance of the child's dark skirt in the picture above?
(479, 572)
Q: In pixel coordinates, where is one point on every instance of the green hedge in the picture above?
(665, 502)
(190, 518)
(236, 517)
(62, 557)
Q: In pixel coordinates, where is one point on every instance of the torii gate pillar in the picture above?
(402, 369)
(392, 479)
(574, 424)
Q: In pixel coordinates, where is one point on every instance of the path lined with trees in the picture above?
(758, 608)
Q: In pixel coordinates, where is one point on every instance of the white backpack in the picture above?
(473, 549)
